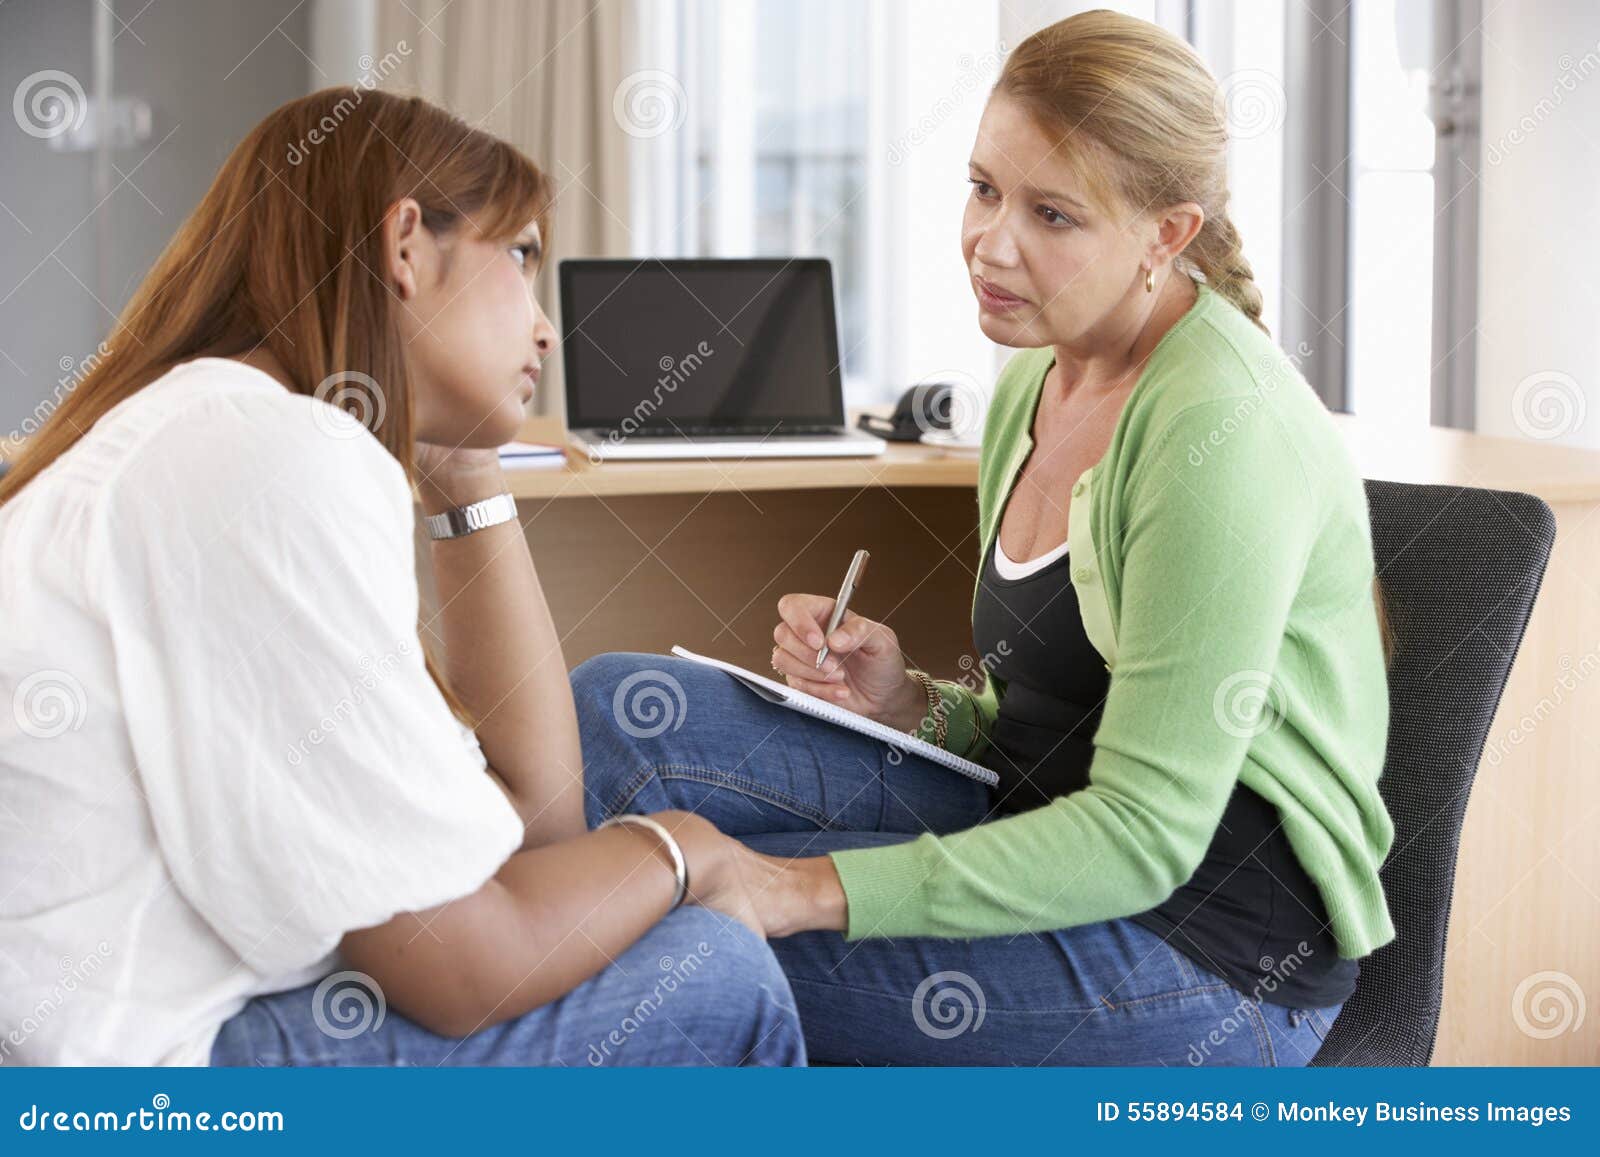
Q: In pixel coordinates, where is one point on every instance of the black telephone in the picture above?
(923, 409)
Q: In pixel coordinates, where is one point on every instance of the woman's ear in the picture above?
(1176, 226)
(404, 241)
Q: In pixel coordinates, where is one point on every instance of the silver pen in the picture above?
(852, 579)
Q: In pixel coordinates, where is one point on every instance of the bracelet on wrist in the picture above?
(936, 712)
(680, 866)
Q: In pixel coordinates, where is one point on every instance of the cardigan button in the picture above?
(1083, 574)
(1079, 487)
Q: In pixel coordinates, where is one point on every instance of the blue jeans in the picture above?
(661, 732)
(697, 989)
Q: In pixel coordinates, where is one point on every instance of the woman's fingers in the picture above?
(858, 634)
(832, 692)
(799, 636)
(806, 616)
(788, 642)
(800, 659)
(804, 665)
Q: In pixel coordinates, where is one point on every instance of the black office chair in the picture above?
(1460, 569)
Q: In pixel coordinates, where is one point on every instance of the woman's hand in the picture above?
(864, 672)
(770, 895)
(715, 879)
(789, 896)
(451, 476)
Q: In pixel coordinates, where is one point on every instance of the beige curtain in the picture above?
(541, 74)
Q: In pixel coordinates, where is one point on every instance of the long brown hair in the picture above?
(285, 253)
(1151, 127)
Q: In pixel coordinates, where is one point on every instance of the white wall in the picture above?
(69, 257)
(1539, 312)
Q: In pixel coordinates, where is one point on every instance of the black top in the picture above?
(1249, 906)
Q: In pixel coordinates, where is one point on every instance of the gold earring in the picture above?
(1149, 279)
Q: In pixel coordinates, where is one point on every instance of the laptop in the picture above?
(704, 358)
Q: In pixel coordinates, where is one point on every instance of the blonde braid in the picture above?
(1219, 254)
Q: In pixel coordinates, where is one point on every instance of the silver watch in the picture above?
(478, 515)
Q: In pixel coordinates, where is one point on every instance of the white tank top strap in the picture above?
(1021, 570)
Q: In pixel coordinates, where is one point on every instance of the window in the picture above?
(1242, 43)
(772, 159)
(1391, 213)
(838, 129)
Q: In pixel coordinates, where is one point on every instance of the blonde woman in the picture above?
(243, 819)
(1186, 698)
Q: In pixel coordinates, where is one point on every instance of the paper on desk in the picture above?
(529, 455)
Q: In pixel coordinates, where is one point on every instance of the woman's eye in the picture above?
(982, 188)
(1051, 217)
(522, 255)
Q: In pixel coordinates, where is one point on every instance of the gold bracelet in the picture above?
(941, 725)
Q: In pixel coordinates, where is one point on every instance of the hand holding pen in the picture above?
(829, 651)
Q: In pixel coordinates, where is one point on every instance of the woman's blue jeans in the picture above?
(661, 732)
(697, 989)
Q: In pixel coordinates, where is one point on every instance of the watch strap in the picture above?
(463, 520)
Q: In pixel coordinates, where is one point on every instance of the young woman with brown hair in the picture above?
(232, 770)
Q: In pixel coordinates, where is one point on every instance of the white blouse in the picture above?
(223, 750)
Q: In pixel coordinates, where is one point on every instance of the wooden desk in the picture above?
(642, 555)
(902, 464)
(638, 556)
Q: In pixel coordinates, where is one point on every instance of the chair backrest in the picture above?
(1460, 569)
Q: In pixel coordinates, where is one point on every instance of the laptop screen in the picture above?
(695, 342)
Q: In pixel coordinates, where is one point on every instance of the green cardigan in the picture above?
(1222, 559)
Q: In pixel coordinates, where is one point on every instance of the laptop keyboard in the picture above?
(784, 430)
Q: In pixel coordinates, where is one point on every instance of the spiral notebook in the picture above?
(785, 696)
